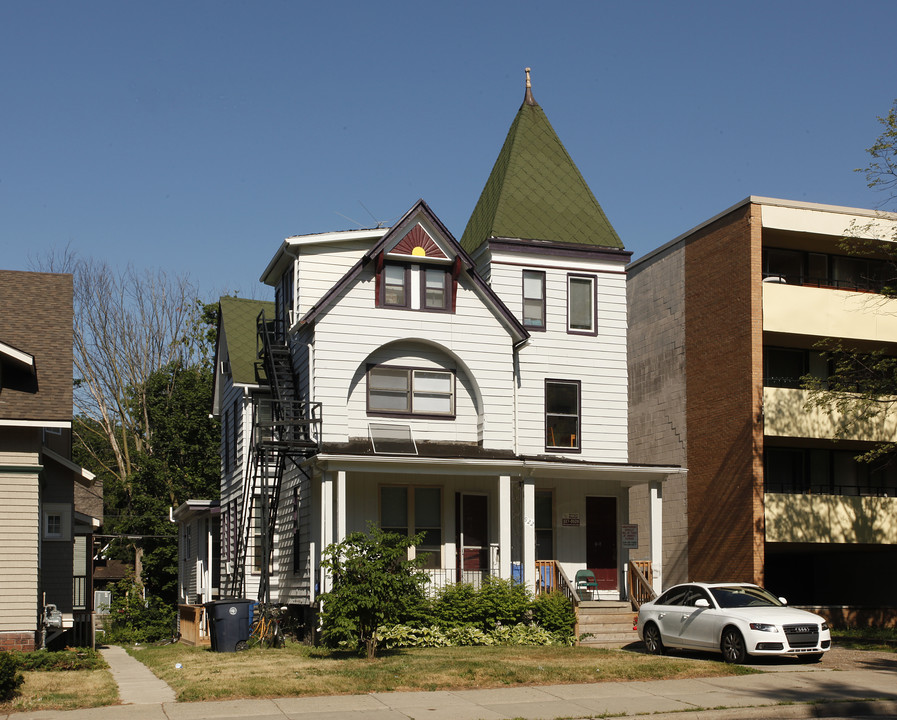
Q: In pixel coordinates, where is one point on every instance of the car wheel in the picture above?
(653, 641)
(733, 647)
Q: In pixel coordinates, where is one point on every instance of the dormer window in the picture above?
(415, 287)
(395, 285)
(435, 288)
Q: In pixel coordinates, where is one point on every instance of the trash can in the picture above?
(228, 623)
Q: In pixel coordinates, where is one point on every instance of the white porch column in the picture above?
(326, 521)
(655, 512)
(340, 509)
(528, 557)
(504, 526)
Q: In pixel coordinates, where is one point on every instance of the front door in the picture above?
(472, 532)
(601, 540)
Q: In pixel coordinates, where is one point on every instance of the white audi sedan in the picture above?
(736, 619)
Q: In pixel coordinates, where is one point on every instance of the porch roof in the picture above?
(625, 473)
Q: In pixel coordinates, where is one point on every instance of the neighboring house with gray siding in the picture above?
(49, 506)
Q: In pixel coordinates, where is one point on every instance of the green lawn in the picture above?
(301, 670)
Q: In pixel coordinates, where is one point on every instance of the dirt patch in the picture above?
(839, 658)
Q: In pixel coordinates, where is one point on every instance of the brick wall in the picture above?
(723, 339)
(24, 641)
(655, 296)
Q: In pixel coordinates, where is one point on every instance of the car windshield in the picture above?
(736, 596)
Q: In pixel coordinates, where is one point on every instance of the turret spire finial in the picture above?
(528, 98)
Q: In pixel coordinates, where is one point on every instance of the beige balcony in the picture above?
(830, 519)
(785, 414)
(824, 312)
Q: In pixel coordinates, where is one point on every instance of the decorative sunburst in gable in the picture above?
(418, 242)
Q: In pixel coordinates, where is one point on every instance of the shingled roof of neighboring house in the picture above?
(536, 192)
(238, 320)
(36, 361)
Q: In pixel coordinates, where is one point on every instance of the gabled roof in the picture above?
(392, 241)
(536, 192)
(237, 320)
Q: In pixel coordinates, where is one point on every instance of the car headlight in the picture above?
(764, 627)
(824, 626)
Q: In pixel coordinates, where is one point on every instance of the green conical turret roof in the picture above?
(536, 192)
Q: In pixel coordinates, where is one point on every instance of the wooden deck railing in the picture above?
(640, 588)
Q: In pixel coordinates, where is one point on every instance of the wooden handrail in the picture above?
(640, 589)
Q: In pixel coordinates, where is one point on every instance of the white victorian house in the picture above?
(472, 391)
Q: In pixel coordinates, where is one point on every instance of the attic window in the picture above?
(411, 286)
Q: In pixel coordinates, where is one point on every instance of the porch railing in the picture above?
(640, 588)
(551, 576)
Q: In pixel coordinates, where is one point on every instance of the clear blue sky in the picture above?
(195, 136)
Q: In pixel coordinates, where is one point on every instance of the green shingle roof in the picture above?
(238, 319)
(536, 192)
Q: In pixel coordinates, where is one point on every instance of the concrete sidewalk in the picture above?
(796, 693)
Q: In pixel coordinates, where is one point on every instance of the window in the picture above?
(225, 431)
(395, 285)
(236, 422)
(414, 510)
(435, 289)
(562, 415)
(581, 304)
(405, 391)
(796, 267)
(544, 530)
(784, 367)
(534, 299)
(822, 471)
(57, 521)
(415, 287)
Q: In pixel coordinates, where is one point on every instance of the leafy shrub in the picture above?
(374, 584)
(69, 659)
(454, 605)
(502, 602)
(135, 619)
(497, 602)
(10, 677)
(554, 612)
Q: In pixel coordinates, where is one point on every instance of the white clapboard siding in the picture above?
(597, 362)
(472, 341)
(320, 267)
(19, 528)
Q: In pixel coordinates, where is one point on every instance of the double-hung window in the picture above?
(581, 304)
(435, 289)
(415, 287)
(534, 299)
(412, 511)
(562, 415)
(408, 391)
(395, 285)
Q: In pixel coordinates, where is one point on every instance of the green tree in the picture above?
(374, 584)
(862, 382)
(181, 463)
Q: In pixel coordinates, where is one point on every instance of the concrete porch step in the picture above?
(608, 624)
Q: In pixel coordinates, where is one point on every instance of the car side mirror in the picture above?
(783, 601)
(702, 602)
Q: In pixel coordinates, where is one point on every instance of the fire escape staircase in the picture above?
(285, 430)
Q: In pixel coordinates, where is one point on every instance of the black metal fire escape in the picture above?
(284, 429)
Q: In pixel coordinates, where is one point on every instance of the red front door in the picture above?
(601, 540)
(472, 532)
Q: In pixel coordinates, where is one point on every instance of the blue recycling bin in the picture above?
(229, 623)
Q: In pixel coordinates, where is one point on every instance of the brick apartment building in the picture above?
(724, 320)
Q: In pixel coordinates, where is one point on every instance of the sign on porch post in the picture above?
(630, 537)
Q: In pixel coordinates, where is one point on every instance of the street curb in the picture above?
(838, 709)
